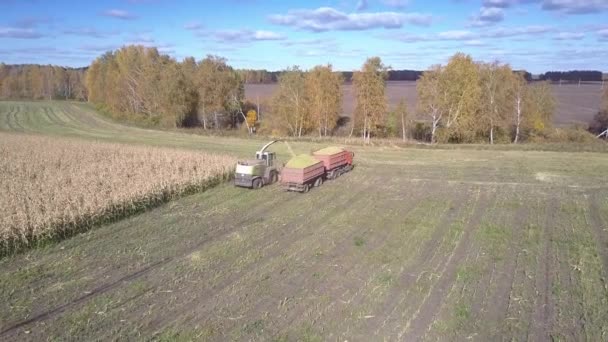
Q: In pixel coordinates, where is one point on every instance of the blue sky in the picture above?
(537, 35)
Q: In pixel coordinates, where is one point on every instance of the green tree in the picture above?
(396, 121)
(370, 93)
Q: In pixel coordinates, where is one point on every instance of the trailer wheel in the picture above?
(318, 182)
(273, 177)
(257, 183)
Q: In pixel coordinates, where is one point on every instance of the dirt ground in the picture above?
(413, 244)
(574, 104)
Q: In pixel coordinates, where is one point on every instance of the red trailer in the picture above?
(301, 173)
(336, 161)
(304, 171)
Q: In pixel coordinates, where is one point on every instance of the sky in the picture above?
(536, 35)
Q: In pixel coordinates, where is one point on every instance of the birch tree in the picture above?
(519, 86)
(370, 93)
(218, 86)
(324, 97)
(430, 98)
(460, 92)
(496, 94)
(539, 106)
(289, 102)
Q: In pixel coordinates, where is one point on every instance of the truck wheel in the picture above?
(257, 183)
(306, 188)
(318, 182)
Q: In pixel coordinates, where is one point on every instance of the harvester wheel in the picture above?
(318, 182)
(257, 183)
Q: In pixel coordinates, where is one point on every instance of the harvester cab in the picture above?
(257, 172)
(267, 157)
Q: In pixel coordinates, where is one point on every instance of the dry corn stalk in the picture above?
(51, 186)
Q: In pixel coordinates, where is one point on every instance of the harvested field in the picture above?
(52, 186)
(574, 104)
(411, 245)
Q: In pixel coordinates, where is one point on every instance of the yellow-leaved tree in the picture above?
(370, 93)
(324, 97)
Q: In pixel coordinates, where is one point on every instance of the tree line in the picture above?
(137, 81)
(469, 101)
(257, 76)
(40, 82)
(572, 76)
(599, 125)
(462, 101)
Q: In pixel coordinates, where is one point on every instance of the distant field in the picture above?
(574, 104)
(413, 244)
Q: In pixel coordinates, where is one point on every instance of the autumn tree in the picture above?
(459, 97)
(496, 104)
(289, 103)
(323, 89)
(396, 121)
(430, 98)
(369, 86)
(219, 89)
(519, 87)
(539, 107)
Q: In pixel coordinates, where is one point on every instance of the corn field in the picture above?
(50, 187)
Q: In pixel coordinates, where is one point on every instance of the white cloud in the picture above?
(498, 3)
(330, 19)
(562, 6)
(193, 25)
(470, 36)
(575, 6)
(361, 5)
(241, 36)
(19, 33)
(569, 36)
(456, 35)
(119, 14)
(396, 3)
(267, 35)
(89, 32)
(488, 16)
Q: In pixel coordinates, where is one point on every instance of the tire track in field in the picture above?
(10, 118)
(496, 308)
(543, 316)
(221, 291)
(116, 283)
(418, 324)
(410, 274)
(343, 255)
(599, 230)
